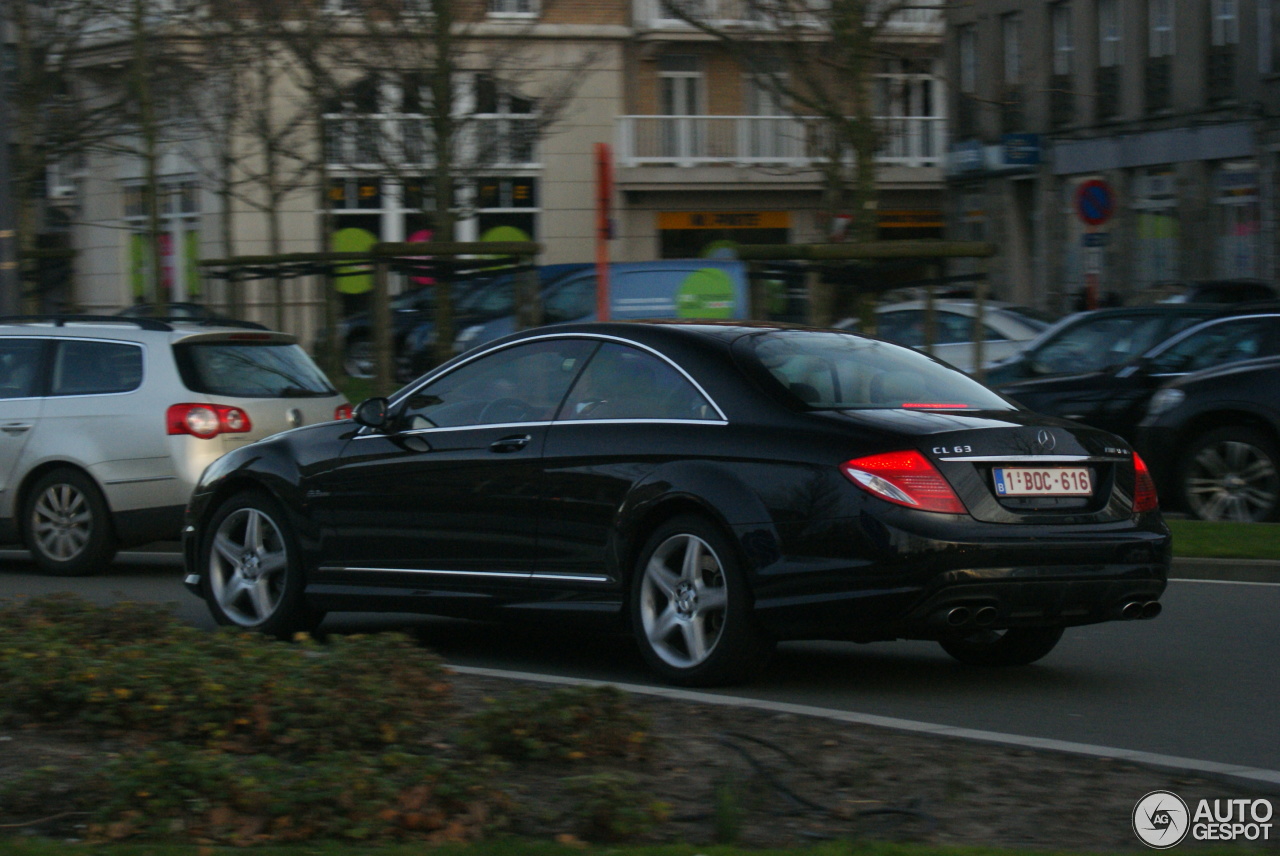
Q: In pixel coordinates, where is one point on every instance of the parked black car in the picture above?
(1213, 441)
(1096, 341)
(716, 487)
(1115, 399)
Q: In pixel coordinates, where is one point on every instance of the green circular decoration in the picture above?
(723, 249)
(705, 293)
(353, 240)
(505, 233)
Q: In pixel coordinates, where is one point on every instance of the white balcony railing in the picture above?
(918, 18)
(914, 141)
(368, 141)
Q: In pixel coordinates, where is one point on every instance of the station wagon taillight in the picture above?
(342, 411)
(905, 478)
(207, 421)
(1144, 487)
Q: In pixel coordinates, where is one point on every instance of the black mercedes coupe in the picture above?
(714, 487)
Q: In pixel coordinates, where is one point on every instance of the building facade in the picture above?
(1108, 145)
(703, 156)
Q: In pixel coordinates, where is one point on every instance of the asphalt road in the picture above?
(1199, 682)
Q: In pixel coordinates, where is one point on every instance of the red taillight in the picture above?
(1144, 487)
(905, 478)
(207, 421)
(342, 411)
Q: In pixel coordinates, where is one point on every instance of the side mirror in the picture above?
(373, 413)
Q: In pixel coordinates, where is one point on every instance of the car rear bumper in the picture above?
(910, 586)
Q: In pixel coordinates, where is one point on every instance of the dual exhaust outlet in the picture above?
(985, 616)
(1140, 609)
(963, 616)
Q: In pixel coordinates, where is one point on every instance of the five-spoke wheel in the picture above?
(252, 574)
(690, 608)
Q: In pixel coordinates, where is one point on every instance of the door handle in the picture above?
(15, 427)
(514, 443)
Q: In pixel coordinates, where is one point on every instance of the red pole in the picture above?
(604, 199)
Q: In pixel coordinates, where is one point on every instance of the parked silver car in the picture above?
(106, 423)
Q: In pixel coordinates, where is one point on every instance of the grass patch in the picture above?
(1203, 539)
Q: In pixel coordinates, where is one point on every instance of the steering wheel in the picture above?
(507, 410)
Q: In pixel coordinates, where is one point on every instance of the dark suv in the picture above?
(1212, 441)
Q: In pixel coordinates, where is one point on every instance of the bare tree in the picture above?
(430, 94)
(55, 114)
(817, 58)
(258, 130)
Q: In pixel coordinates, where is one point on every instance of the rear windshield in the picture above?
(842, 371)
(251, 370)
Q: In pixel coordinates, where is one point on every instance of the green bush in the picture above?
(567, 724)
(135, 668)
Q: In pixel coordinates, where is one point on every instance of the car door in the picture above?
(22, 360)
(446, 498)
(630, 411)
(1119, 401)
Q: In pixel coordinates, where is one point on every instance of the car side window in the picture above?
(523, 383)
(904, 327)
(572, 300)
(95, 368)
(1216, 345)
(622, 382)
(19, 367)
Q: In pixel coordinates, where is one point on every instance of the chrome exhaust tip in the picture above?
(986, 616)
(1151, 609)
(1131, 611)
(958, 616)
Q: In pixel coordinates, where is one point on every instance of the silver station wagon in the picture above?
(106, 424)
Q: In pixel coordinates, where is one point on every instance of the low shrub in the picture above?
(567, 724)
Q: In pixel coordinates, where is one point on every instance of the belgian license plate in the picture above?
(1043, 481)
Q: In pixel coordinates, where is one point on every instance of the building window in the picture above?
(1011, 34)
(680, 83)
(1011, 102)
(1156, 209)
(1110, 55)
(1239, 220)
(1063, 44)
(968, 41)
(1220, 72)
(179, 239)
(1062, 93)
(1226, 23)
(517, 8)
(1160, 17)
(507, 208)
(1110, 34)
(506, 124)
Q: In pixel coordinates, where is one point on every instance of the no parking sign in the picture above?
(1095, 201)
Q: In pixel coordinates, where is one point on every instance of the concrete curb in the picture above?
(1226, 570)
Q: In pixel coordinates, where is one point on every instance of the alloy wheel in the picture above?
(248, 567)
(1231, 480)
(683, 601)
(62, 522)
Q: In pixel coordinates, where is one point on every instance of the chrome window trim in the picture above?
(395, 400)
(414, 432)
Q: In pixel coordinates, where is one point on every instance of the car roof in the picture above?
(137, 329)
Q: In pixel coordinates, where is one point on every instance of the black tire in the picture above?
(694, 623)
(1231, 474)
(67, 525)
(253, 577)
(358, 359)
(1014, 647)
